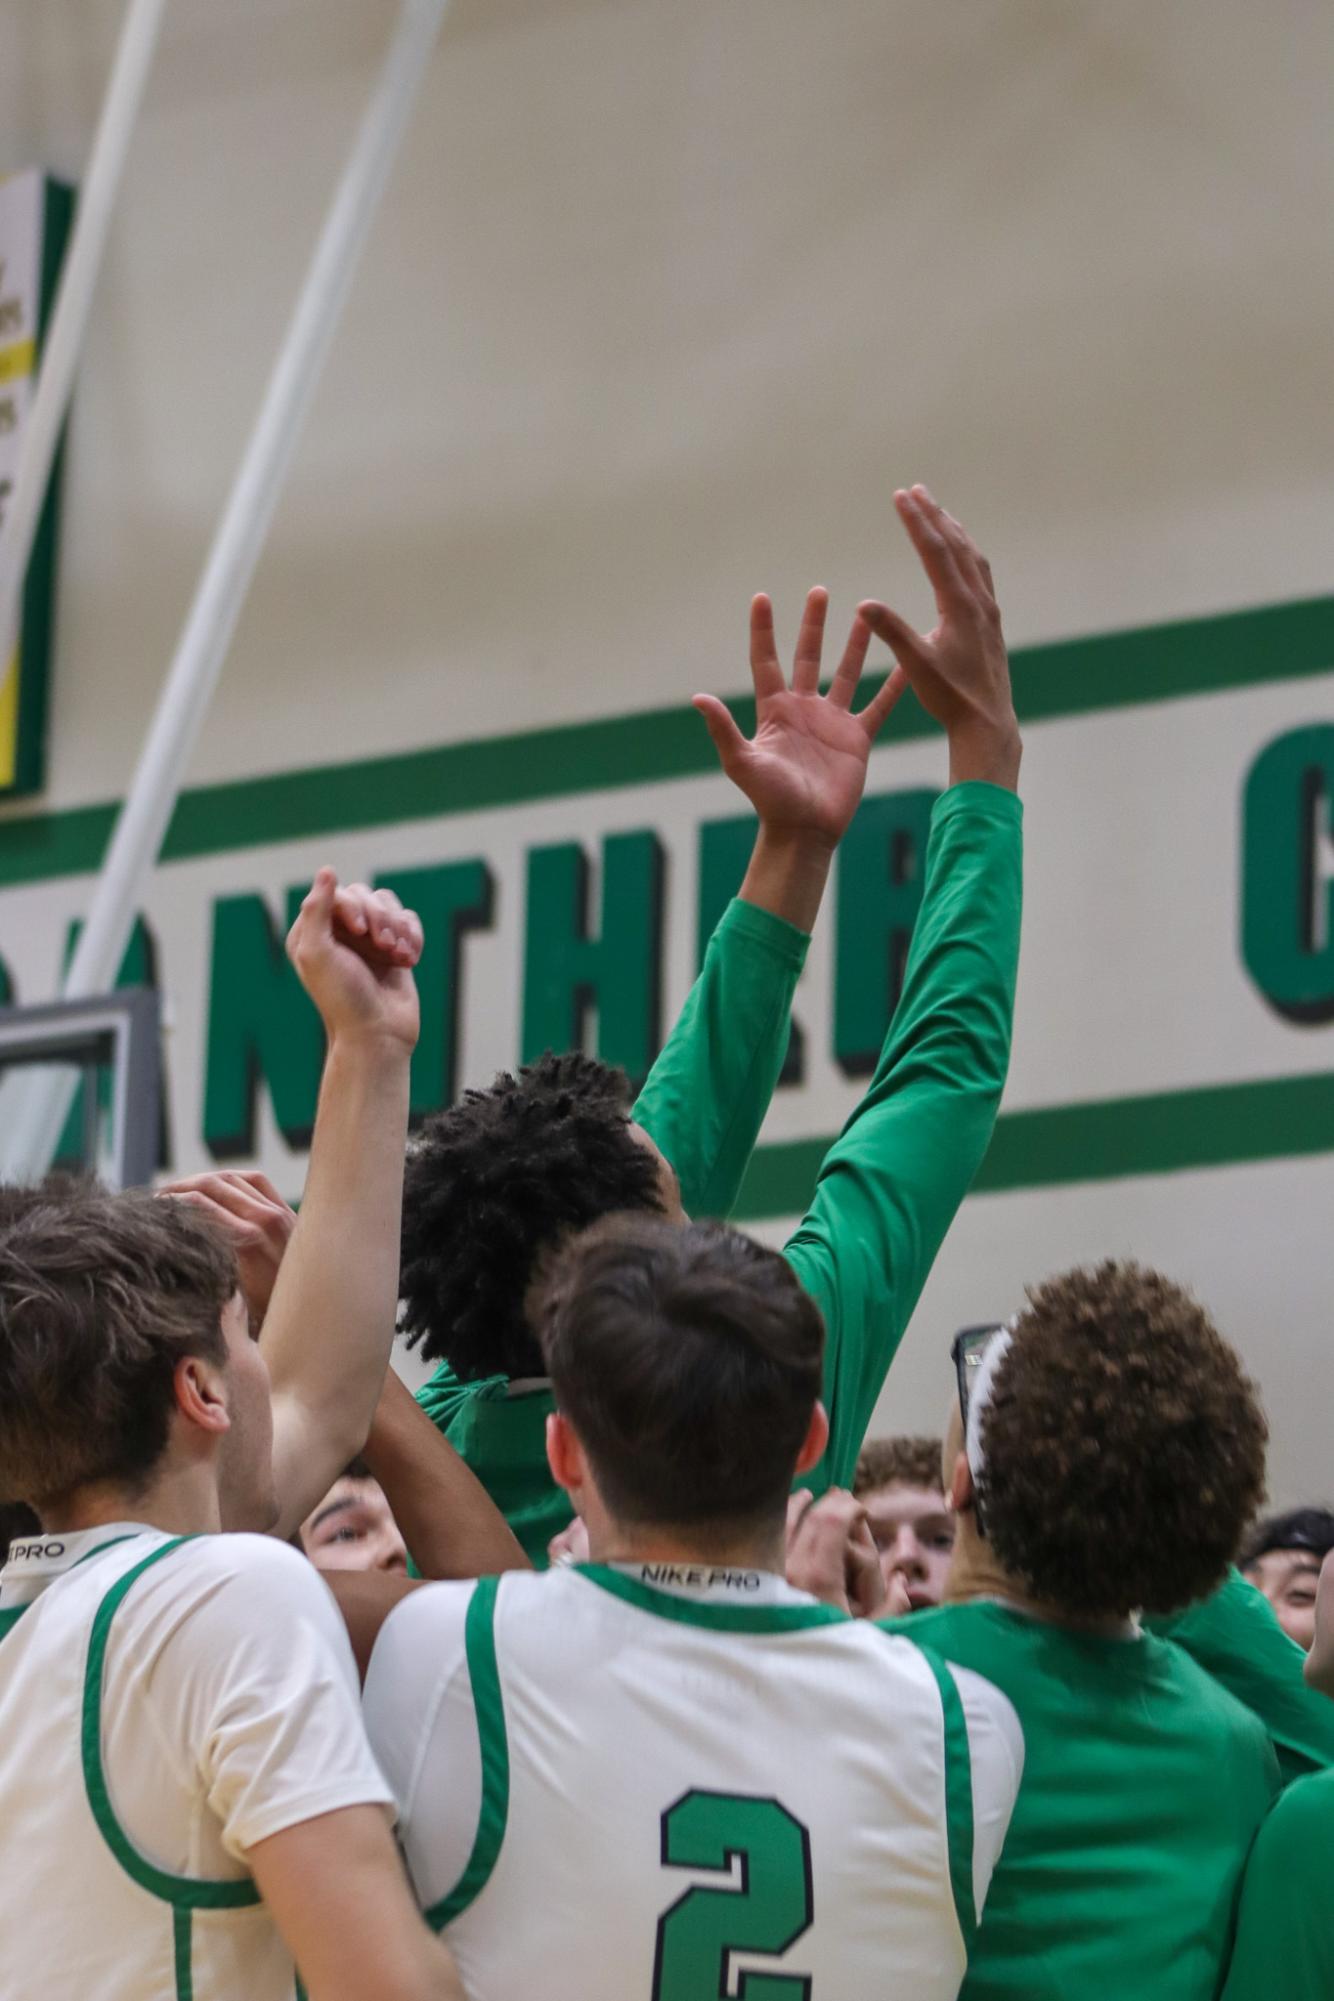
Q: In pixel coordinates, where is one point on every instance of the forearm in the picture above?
(892, 1183)
(787, 875)
(330, 1323)
(707, 1094)
(451, 1525)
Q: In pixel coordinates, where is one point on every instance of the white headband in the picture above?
(980, 1395)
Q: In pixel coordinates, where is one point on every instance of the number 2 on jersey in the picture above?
(768, 1912)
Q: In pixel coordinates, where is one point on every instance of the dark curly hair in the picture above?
(1124, 1446)
(494, 1182)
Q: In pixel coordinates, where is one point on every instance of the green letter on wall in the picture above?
(451, 899)
(260, 1025)
(567, 970)
(1287, 931)
(881, 871)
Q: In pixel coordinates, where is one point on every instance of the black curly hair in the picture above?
(1124, 1446)
(494, 1182)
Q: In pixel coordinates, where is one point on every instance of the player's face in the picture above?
(1320, 1660)
(1288, 1578)
(669, 1188)
(914, 1533)
(245, 1471)
(353, 1529)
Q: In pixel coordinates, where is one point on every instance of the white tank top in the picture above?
(88, 1915)
(682, 1797)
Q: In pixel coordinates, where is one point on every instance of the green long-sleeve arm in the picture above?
(891, 1184)
(1235, 1637)
(706, 1096)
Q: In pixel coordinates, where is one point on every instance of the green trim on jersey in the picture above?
(718, 1618)
(184, 1893)
(479, 1638)
(958, 1796)
(8, 1620)
(182, 1925)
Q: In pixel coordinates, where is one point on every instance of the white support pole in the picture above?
(74, 298)
(30, 1130)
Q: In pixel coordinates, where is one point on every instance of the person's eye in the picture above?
(942, 1540)
(348, 1535)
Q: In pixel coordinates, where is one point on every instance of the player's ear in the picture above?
(815, 1441)
(959, 1491)
(565, 1455)
(201, 1397)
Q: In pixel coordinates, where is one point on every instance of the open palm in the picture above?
(804, 769)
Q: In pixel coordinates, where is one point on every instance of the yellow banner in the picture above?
(9, 720)
(17, 361)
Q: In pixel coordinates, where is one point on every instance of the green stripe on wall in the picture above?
(1072, 678)
(1218, 1125)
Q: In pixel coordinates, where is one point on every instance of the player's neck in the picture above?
(183, 1500)
(748, 1551)
(975, 1573)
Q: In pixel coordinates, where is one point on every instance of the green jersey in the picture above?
(1236, 1637)
(890, 1185)
(1285, 1928)
(1144, 1783)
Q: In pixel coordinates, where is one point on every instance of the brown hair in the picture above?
(100, 1296)
(898, 1462)
(1124, 1446)
(688, 1359)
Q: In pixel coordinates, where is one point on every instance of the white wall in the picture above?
(664, 300)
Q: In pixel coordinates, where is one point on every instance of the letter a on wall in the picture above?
(35, 215)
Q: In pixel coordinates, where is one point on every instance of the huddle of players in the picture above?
(666, 1771)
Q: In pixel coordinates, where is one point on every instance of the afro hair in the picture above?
(1124, 1446)
(498, 1180)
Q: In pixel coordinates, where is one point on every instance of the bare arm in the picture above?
(366, 1598)
(339, 1896)
(329, 1325)
(450, 1523)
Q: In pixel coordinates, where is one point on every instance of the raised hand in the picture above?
(960, 671)
(354, 950)
(252, 1215)
(832, 1554)
(804, 769)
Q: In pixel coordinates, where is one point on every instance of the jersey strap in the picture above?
(958, 1795)
(479, 1639)
(185, 1894)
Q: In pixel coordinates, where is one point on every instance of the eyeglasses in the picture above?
(970, 1344)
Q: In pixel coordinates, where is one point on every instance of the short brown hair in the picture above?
(100, 1296)
(688, 1360)
(898, 1462)
(1123, 1446)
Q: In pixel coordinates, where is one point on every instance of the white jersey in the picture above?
(165, 1704)
(653, 1783)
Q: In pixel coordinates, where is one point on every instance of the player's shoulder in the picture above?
(244, 1577)
(1301, 1820)
(948, 1630)
(427, 1626)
